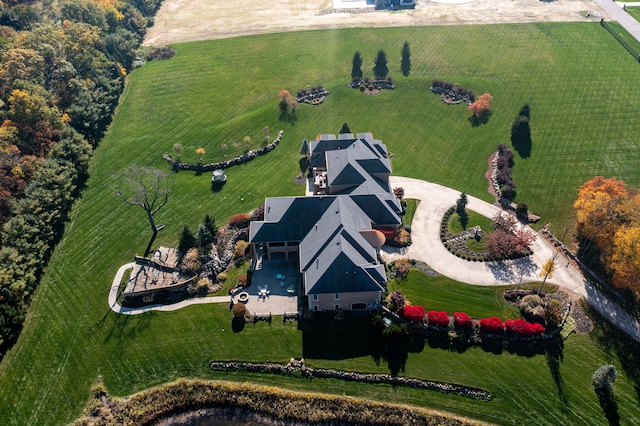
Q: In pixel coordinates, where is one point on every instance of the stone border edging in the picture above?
(247, 156)
(298, 367)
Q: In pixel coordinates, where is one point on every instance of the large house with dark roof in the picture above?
(331, 233)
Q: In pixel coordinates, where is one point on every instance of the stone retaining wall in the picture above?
(247, 156)
(296, 367)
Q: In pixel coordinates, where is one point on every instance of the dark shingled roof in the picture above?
(334, 255)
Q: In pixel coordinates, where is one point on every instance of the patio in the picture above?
(274, 287)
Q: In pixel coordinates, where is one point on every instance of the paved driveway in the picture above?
(425, 233)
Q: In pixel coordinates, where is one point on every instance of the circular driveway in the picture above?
(436, 199)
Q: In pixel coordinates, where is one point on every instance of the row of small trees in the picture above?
(380, 67)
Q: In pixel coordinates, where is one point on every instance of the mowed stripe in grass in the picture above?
(583, 97)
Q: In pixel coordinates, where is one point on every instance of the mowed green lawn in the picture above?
(583, 93)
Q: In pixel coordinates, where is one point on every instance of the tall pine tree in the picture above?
(405, 62)
(356, 65)
(380, 68)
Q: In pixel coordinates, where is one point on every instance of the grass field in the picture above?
(582, 89)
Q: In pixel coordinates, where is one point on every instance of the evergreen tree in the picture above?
(356, 67)
(405, 63)
(187, 240)
(380, 68)
(345, 128)
(204, 238)
(461, 209)
(210, 223)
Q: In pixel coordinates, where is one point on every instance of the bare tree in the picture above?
(148, 188)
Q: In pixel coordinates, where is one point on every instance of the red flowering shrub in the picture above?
(492, 325)
(240, 220)
(461, 319)
(389, 234)
(439, 318)
(413, 313)
(523, 328)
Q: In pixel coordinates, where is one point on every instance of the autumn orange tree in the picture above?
(608, 215)
(482, 104)
(287, 105)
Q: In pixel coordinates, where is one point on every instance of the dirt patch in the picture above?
(179, 21)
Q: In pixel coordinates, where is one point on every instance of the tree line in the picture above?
(62, 70)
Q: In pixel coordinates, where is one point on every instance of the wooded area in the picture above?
(61, 74)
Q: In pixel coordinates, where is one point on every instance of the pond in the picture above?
(224, 417)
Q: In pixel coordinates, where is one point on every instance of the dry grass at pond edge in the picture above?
(151, 405)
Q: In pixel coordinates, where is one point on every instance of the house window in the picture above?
(315, 307)
(336, 296)
(336, 307)
(315, 297)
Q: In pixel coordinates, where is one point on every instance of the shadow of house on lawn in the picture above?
(327, 338)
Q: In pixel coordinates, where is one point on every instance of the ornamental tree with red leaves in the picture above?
(439, 318)
(461, 319)
(492, 325)
(412, 313)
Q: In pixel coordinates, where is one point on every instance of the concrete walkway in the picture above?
(436, 199)
(273, 304)
(116, 307)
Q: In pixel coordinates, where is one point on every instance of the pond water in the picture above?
(224, 417)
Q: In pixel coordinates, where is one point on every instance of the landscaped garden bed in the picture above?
(313, 96)
(372, 86)
(451, 93)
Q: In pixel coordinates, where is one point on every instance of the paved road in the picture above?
(617, 13)
(425, 233)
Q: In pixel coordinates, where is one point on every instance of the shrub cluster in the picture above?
(315, 95)
(493, 325)
(372, 83)
(412, 313)
(445, 88)
(438, 318)
(160, 52)
(502, 172)
(523, 328)
(240, 220)
(532, 308)
(402, 238)
(462, 320)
